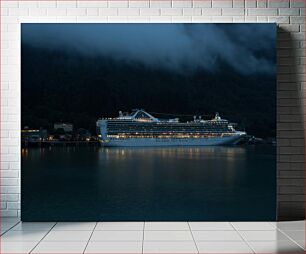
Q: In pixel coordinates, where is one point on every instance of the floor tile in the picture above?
(290, 225)
(114, 247)
(69, 236)
(116, 236)
(7, 225)
(253, 225)
(216, 236)
(23, 236)
(223, 247)
(211, 226)
(120, 226)
(297, 235)
(33, 226)
(274, 235)
(60, 247)
(169, 247)
(167, 235)
(63, 226)
(17, 247)
(166, 226)
(276, 247)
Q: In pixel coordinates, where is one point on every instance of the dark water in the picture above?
(130, 184)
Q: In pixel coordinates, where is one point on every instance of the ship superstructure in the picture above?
(140, 128)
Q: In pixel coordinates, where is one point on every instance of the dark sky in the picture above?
(248, 48)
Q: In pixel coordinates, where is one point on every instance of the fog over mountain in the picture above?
(185, 48)
(79, 72)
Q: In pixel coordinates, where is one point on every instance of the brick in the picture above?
(291, 182)
(288, 28)
(181, 3)
(160, 3)
(9, 181)
(192, 11)
(38, 11)
(117, 19)
(278, 3)
(9, 173)
(159, 19)
(180, 19)
(291, 150)
(118, 4)
(201, 19)
(291, 198)
(9, 197)
(233, 12)
(297, 20)
(57, 12)
(172, 11)
(279, 19)
(238, 19)
(92, 11)
(4, 11)
(250, 3)
(222, 3)
(289, 11)
(291, 190)
(128, 11)
(66, 4)
(9, 4)
(262, 3)
(13, 205)
(262, 12)
(76, 11)
(202, 3)
(9, 213)
(92, 4)
(3, 205)
(139, 4)
(250, 19)
(47, 4)
(211, 11)
(108, 11)
(18, 12)
(138, 19)
(238, 3)
(297, 3)
(221, 19)
(150, 12)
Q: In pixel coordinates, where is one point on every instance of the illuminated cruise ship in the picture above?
(142, 129)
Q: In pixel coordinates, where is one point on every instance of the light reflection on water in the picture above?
(175, 183)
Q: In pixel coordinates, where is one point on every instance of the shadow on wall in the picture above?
(290, 130)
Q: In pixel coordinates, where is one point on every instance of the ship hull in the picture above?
(159, 142)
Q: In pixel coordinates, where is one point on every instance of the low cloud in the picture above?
(248, 48)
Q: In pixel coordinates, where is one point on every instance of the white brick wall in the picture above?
(289, 14)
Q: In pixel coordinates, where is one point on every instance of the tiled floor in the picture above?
(152, 237)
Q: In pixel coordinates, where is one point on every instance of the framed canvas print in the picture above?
(155, 122)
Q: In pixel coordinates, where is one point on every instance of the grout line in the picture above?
(193, 238)
(90, 236)
(10, 228)
(273, 225)
(243, 238)
(42, 238)
(290, 238)
(143, 232)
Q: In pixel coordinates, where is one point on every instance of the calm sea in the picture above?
(153, 184)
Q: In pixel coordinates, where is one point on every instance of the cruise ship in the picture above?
(140, 128)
